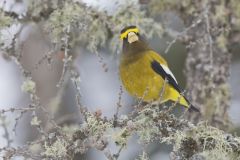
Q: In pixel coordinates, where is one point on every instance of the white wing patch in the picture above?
(167, 70)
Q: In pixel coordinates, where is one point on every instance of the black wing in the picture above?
(159, 70)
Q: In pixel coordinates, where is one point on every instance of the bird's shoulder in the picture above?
(154, 56)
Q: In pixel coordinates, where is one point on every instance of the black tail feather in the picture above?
(193, 109)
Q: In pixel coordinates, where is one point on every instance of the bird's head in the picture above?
(130, 34)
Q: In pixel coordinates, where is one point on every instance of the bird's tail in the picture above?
(177, 97)
(193, 109)
(181, 99)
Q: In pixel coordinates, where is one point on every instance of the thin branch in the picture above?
(67, 58)
(183, 33)
(6, 135)
(210, 40)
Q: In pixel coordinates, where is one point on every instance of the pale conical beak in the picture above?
(132, 37)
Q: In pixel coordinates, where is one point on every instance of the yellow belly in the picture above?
(140, 80)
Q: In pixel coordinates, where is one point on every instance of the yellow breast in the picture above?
(139, 78)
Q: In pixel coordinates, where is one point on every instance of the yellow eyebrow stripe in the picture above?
(124, 34)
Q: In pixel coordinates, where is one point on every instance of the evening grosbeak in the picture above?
(144, 73)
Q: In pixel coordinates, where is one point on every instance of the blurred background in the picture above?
(99, 80)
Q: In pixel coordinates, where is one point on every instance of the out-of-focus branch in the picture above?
(208, 65)
(208, 60)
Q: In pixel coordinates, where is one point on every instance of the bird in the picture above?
(145, 74)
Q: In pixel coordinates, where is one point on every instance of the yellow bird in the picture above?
(145, 74)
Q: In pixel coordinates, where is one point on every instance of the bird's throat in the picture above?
(135, 47)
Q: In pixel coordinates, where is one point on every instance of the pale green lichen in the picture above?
(123, 117)
(28, 86)
(61, 18)
(177, 137)
(218, 155)
(69, 130)
(205, 133)
(35, 148)
(36, 8)
(143, 156)
(146, 128)
(212, 142)
(221, 14)
(5, 21)
(86, 27)
(235, 5)
(142, 125)
(95, 28)
(95, 126)
(55, 103)
(57, 150)
(120, 137)
(35, 121)
(222, 42)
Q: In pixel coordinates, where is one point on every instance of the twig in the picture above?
(49, 118)
(76, 79)
(140, 101)
(181, 34)
(119, 105)
(210, 40)
(83, 110)
(67, 58)
(12, 109)
(108, 154)
(17, 120)
(6, 133)
(163, 90)
(47, 56)
(116, 156)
